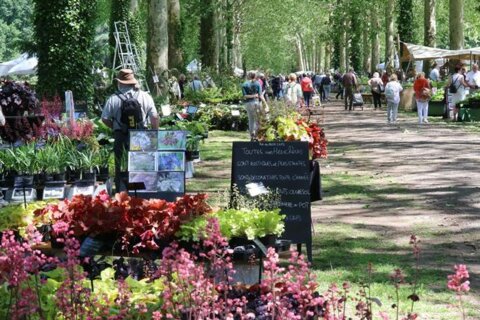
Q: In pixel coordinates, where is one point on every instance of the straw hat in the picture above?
(125, 76)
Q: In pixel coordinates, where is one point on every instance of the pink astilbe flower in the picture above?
(72, 299)
(19, 268)
(458, 282)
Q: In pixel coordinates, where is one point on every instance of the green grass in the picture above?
(342, 253)
(213, 173)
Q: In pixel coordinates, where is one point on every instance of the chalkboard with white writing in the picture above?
(284, 166)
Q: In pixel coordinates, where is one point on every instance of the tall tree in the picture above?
(208, 36)
(405, 25)
(157, 44)
(375, 35)
(15, 27)
(64, 31)
(367, 49)
(389, 32)
(430, 29)
(456, 24)
(355, 32)
(175, 54)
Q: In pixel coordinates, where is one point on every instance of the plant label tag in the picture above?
(166, 110)
(254, 189)
(235, 113)
(155, 79)
(53, 193)
(84, 190)
(18, 194)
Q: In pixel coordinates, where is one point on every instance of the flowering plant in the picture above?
(19, 100)
(132, 219)
(292, 127)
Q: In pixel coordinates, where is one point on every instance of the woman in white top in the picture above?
(392, 93)
(294, 94)
(458, 81)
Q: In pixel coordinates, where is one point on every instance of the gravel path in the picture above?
(428, 181)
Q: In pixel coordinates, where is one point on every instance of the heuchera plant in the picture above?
(131, 219)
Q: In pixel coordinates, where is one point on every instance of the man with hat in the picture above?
(112, 113)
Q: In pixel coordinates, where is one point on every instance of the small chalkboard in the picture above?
(284, 166)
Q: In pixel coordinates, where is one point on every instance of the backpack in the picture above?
(389, 92)
(131, 112)
(452, 87)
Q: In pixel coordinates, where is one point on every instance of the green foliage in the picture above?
(65, 31)
(17, 216)
(250, 224)
(220, 117)
(15, 27)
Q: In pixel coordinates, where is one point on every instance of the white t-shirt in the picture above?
(392, 91)
(473, 78)
(434, 74)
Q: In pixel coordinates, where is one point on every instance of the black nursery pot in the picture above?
(73, 175)
(192, 155)
(89, 176)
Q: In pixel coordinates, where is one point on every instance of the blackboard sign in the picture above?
(284, 166)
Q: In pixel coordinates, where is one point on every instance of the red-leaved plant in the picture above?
(130, 219)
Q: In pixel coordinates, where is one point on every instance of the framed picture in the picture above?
(143, 140)
(172, 140)
(148, 178)
(142, 161)
(171, 182)
(171, 161)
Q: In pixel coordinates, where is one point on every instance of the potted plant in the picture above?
(192, 147)
(88, 164)
(102, 161)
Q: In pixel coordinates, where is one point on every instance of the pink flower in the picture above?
(458, 282)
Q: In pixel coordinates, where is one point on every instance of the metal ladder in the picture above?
(126, 55)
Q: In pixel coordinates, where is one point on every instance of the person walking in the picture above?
(392, 93)
(114, 116)
(307, 89)
(293, 92)
(457, 86)
(421, 86)
(350, 85)
(338, 77)
(376, 85)
(252, 92)
(196, 84)
(327, 86)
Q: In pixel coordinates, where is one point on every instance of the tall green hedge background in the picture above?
(65, 31)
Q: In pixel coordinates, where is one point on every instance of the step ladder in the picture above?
(126, 55)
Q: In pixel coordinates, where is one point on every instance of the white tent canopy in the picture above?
(28, 66)
(194, 66)
(6, 66)
(418, 52)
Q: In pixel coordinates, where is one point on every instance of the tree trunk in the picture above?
(430, 30)
(389, 44)
(300, 63)
(456, 24)
(320, 56)
(208, 36)
(342, 53)
(237, 27)
(328, 56)
(157, 44)
(375, 38)
(133, 6)
(175, 54)
(366, 47)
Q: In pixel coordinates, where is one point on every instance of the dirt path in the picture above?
(428, 182)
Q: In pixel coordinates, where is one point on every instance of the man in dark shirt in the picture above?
(350, 84)
(251, 94)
